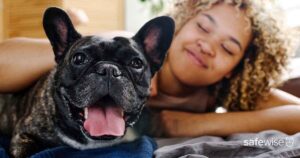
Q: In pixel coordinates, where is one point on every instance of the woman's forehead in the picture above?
(230, 20)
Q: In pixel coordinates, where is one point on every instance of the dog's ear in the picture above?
(155, 37)
(60, 31)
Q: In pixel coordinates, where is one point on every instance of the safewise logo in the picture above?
(283, 141)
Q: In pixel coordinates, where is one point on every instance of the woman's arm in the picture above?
(270, 114)
(22, 62)
(182, 124)
(277, 97)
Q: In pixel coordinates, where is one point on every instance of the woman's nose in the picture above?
(206, 47)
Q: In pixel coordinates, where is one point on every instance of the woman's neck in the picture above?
(169, 84)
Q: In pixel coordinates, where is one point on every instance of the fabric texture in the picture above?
(4, 142)
(141, 148)
(266, 144)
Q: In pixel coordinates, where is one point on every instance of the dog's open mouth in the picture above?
(103, 120)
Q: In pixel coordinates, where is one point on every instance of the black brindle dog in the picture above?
(95, 92)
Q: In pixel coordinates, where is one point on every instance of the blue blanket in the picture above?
(143, 147)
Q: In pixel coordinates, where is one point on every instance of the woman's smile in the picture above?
(196, 58)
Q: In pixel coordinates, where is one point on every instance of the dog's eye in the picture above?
(136, 63)
(79, 59)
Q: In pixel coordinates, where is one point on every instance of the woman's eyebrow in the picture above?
(210, 18)
(233, 39)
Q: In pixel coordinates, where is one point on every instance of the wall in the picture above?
(136, 14)
(1, 20)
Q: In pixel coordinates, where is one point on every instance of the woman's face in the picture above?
(209, 46)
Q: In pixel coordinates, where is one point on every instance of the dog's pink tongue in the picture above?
(104, 121)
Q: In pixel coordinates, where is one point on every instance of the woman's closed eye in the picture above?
(230, 47)
(202, 27)
(227, 50)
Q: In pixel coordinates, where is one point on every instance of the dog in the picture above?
(97, 89)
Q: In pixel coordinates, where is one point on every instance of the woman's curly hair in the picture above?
(264, 60)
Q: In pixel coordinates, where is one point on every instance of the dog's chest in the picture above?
(33, 109)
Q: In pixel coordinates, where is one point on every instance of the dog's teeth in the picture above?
(122, 114)
(86, 112)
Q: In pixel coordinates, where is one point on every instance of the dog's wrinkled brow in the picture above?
(134, 46)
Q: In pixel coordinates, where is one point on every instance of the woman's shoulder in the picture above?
(277, 97)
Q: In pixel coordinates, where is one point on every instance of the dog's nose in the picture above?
(109, 70)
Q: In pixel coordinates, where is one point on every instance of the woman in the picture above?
(225, 53)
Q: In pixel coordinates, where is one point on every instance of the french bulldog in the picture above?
(97, 89)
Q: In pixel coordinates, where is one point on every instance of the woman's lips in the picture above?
(196, 59)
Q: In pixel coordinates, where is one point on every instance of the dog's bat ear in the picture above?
(60, 31)
(155, 37)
